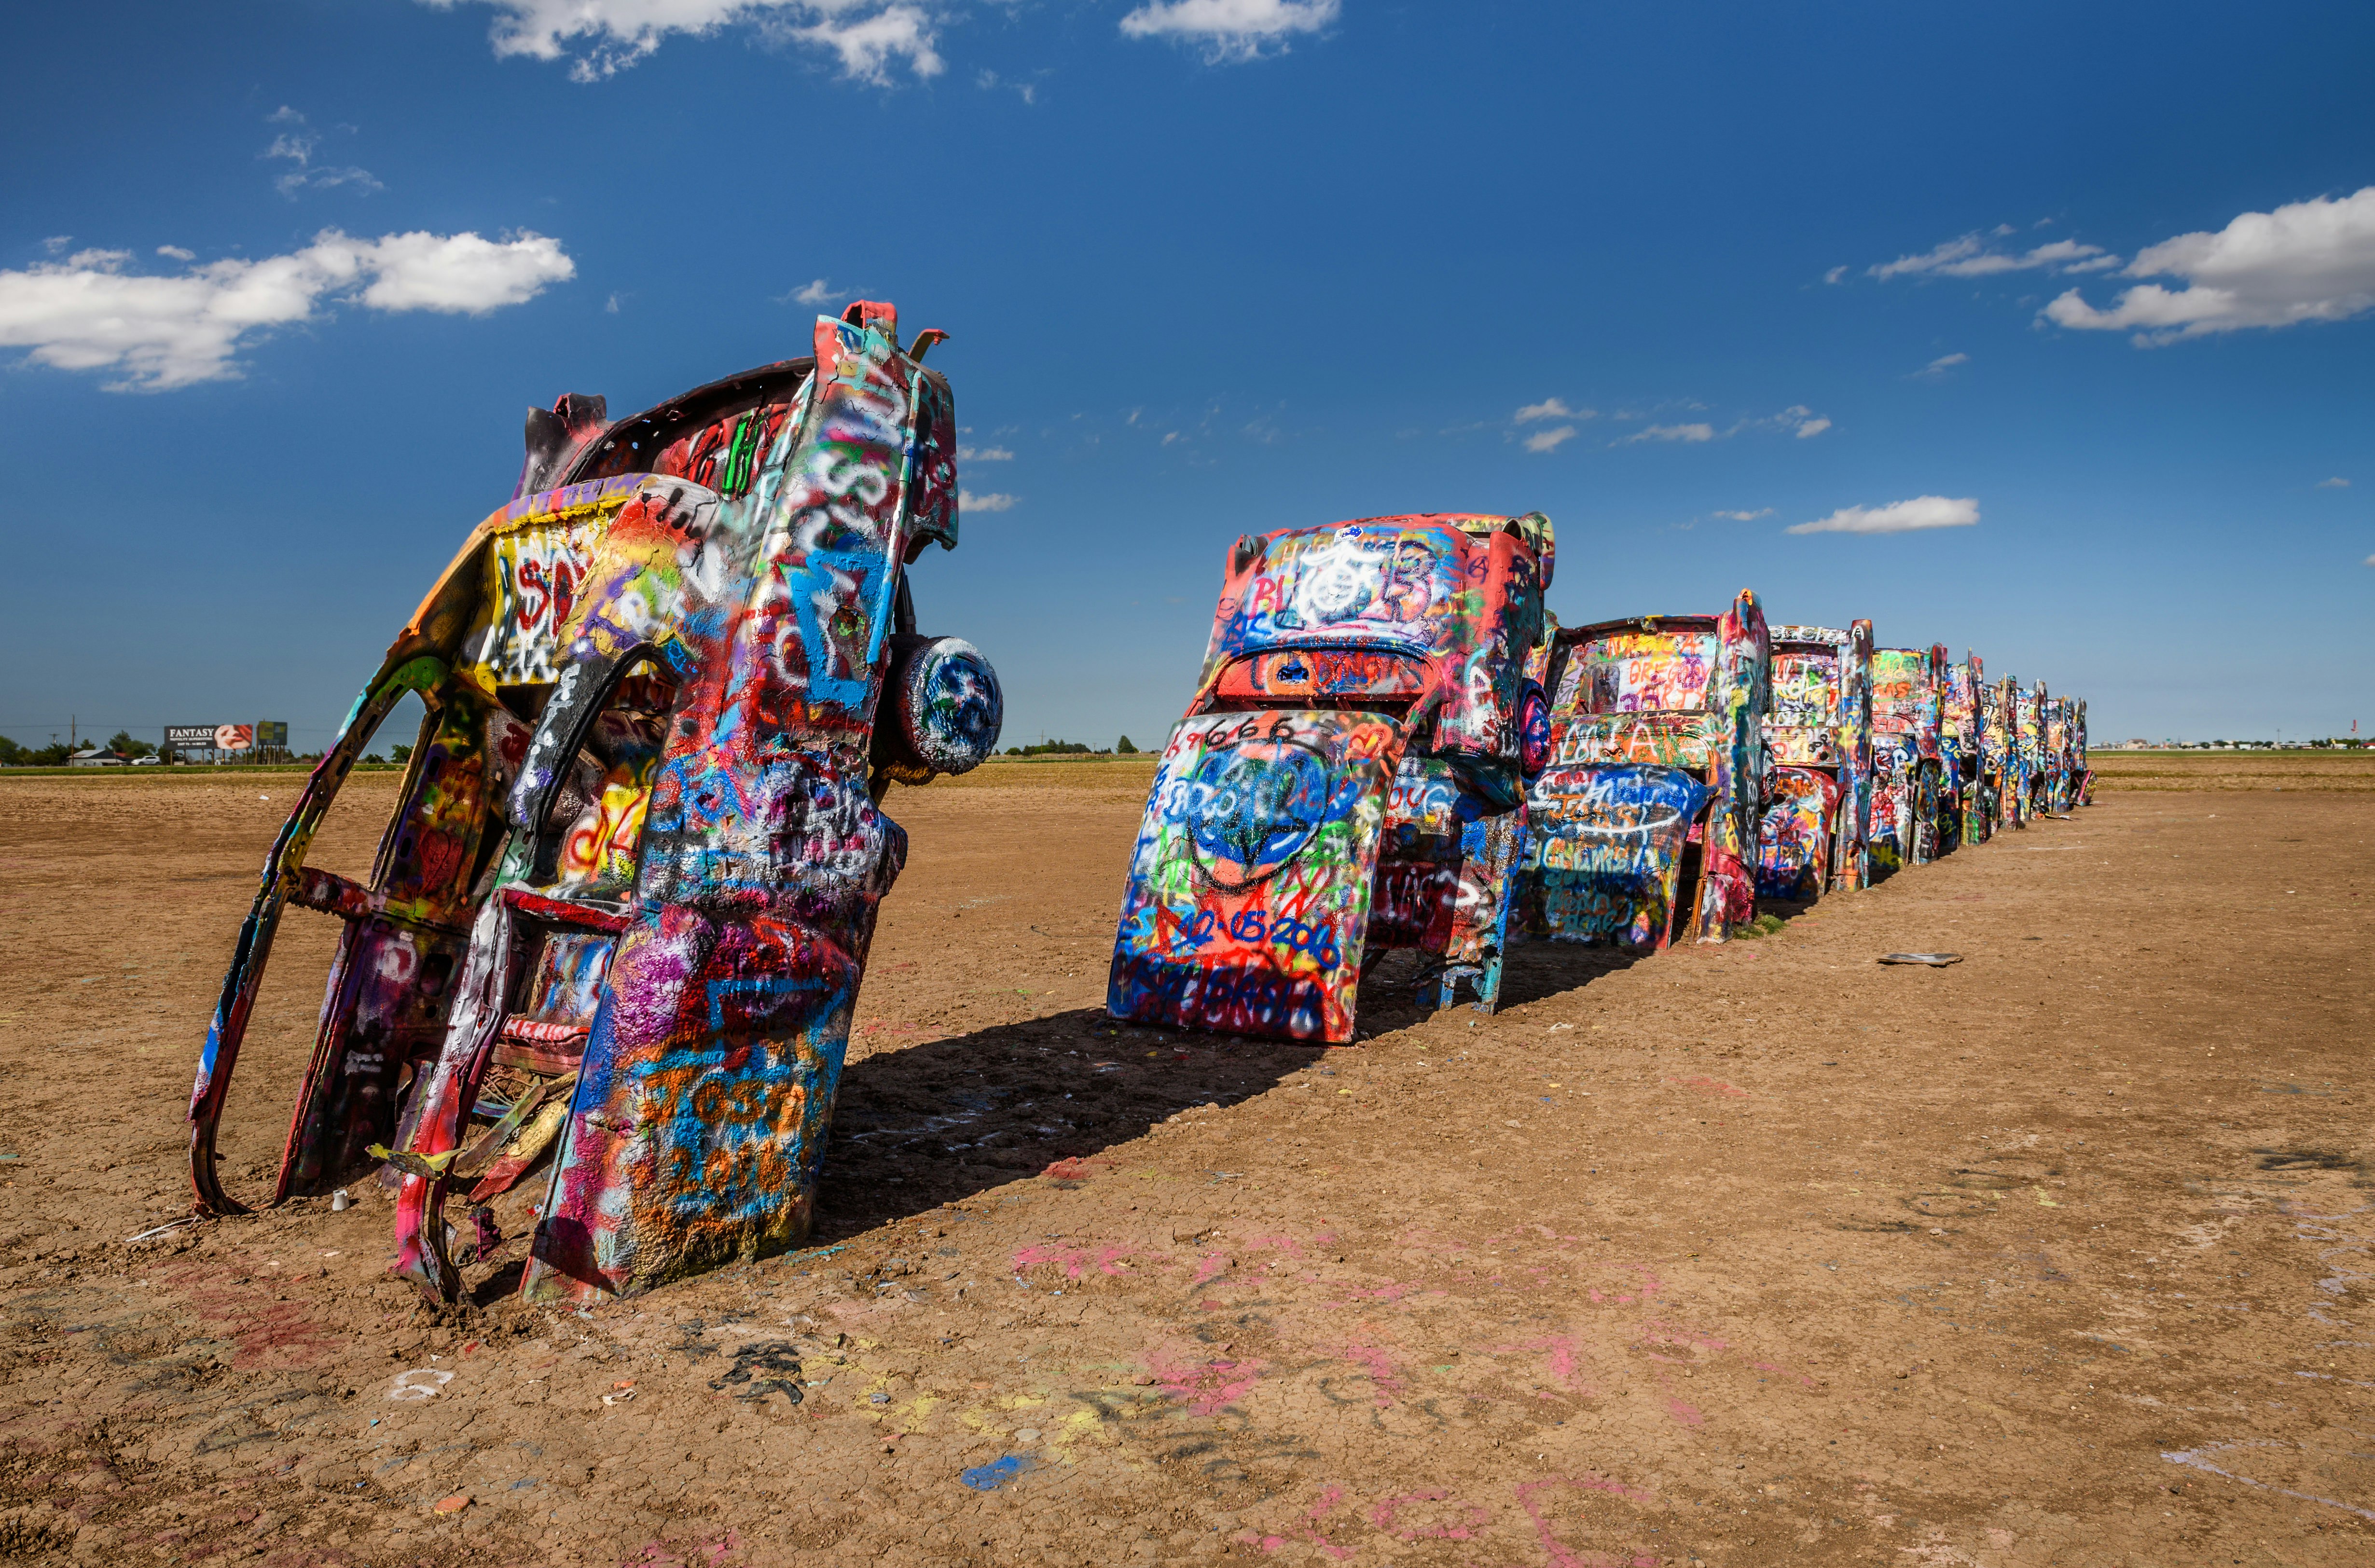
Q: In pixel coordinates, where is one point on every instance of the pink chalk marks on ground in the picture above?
(1374, 1362)
(1584, 1493)
(1563, 1355)
(237, 1304)
(1205, 1385)
(1076, 1262)
(704, 1553)
(1328, 1498)
(1716, 1086)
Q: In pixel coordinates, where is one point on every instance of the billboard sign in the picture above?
(189, 737)
(271, 734)
(235, 737)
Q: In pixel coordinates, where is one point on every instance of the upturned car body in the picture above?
(1348, 778)
(2082, 772)
(1642, 830)
(2011, 762)
(620, 915)
(2029, 735)
(1963, 745)
(1817, 731)
(1910, 790)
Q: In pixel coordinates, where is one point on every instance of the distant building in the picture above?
(94, 756)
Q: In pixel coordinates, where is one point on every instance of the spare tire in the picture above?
(941, 709)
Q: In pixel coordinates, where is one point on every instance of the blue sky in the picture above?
(277, 279)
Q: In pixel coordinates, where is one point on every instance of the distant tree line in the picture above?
(1122, 747)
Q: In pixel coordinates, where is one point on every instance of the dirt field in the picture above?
(1757, 1254)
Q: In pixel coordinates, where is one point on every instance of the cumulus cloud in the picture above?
(1669, 432)
(816, 291)
(175, 253)
(601, 37)
(2306, 261)
(1897, 517)
(1836, 273)
(990, 501)
(1971, 256)
(1747, 516)
(2335, 483)
(1551, 409)
(1230, 30)
(984, 454)
(87, 312)
(1813, 427)
(1548, 441)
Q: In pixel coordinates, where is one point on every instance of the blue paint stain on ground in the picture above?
(998, 1472)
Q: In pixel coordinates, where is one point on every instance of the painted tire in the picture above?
(944, 706)
(1533, 731)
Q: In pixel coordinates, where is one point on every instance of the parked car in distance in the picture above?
(1642, 830)
(1817, 731)
(1348, 777)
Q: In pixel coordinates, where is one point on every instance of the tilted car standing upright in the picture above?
(620, 913)
(1909, 789)
(1817, 731)
(1348, 777)
(1642, 830)
(1963, 746)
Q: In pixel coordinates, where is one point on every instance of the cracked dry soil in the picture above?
(1756, 1254)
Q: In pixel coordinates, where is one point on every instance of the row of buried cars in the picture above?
(599, 976)
(1394, 745)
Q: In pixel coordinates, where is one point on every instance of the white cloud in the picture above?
(1897, 517)
(1836, 273)
(1813, 427)
(1548, 441)
(990, 501)
(88, 313)
(1670, 432)
(608, 36)
(984, 454)
(1970, 257)
(1552, 409)
(1230, 30)
(816, 291)
(1747, 516)
(2335, 483)
(175, 253)
(2306, 261)
(297, 146)
(1943, 363)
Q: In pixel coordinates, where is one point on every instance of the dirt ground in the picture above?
(1756, 1254)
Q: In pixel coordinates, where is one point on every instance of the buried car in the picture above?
(620, 915)
(1910, 791)
(2008, 759)
(1641, 829)
(1348, 777)
(1818, 755)
(1963, 752)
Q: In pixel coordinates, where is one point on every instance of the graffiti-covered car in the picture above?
(2009, 760)
(620, 915)
(1348, 777)
(2082, 772)
(1963, 748)
(1642, 829)
(2037, 764)
(1909, 787)
(1818, 760)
